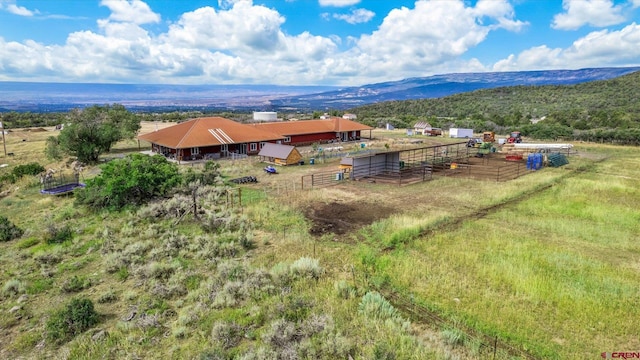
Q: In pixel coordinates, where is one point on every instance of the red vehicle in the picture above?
(514, 137)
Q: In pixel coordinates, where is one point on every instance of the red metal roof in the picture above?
(213, 131)
(208, 131)
(288, 128)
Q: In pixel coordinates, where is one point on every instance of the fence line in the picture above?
(488, 344)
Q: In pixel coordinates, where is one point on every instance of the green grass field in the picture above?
(546, 264)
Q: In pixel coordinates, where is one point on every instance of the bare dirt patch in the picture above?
(340, 218)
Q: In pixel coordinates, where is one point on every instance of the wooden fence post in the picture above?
(495, 347)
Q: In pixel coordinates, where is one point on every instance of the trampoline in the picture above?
(62, 189)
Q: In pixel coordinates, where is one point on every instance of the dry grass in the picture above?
(538, 269)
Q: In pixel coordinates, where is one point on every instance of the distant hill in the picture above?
(602, 111)
(619, 96)
(443, 85)
(61, 97)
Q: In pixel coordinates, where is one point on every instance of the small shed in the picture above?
(422, 127)
(280, 154)
(346, 164)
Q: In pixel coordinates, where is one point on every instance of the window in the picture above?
(262, 144)
(253, 147)
(195, 151)
(287, 139)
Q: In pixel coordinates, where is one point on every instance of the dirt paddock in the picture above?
(340, 218)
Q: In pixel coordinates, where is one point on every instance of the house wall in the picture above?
(308, 139)
(214, 151)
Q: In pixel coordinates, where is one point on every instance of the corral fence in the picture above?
(324, 179)
(285, 189)
(404, 174)
(496, 171)
(489, 347)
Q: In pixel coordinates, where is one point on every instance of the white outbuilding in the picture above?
(265, 116)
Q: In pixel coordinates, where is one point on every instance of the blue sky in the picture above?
(307, 42)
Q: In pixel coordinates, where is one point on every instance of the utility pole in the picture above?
(4, 142)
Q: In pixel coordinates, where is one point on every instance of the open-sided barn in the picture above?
(407, 166)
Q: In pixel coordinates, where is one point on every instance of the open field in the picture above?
(543, 266)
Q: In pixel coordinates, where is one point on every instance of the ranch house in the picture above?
(216, 137)
(208, 138)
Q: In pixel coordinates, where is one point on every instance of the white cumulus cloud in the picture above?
(228, 4)
(245, 43)
(596, 49)
(134, 11)
(597, 13)
(11, 7)
(426, 38)
(243, 28)
(338, 3)
(356, 16)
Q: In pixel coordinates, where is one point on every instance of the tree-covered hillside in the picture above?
(600, 108)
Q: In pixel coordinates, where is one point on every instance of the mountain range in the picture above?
(44, 97)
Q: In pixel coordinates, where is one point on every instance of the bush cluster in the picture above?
(58, 235)
(21, 170)
(13, 287)
(133, 180)
(76, 317)
(312, 338)
(8, 231)
(75, 284)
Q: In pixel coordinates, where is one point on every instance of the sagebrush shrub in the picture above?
(13, 287)
(345, 290)
(47, 258)
(307, 267)
(259, 283)
(295, 309)
(108, 297)
(281, 334)
(75, 284)
(156, 270)
(232, 293)
(58, 235)
(375, 306)
(232, 270)
(452, 337)
(228, 335)
(281, 274)
(326, 345)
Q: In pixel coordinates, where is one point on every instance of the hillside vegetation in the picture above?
(541, 267)
(607, 110)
